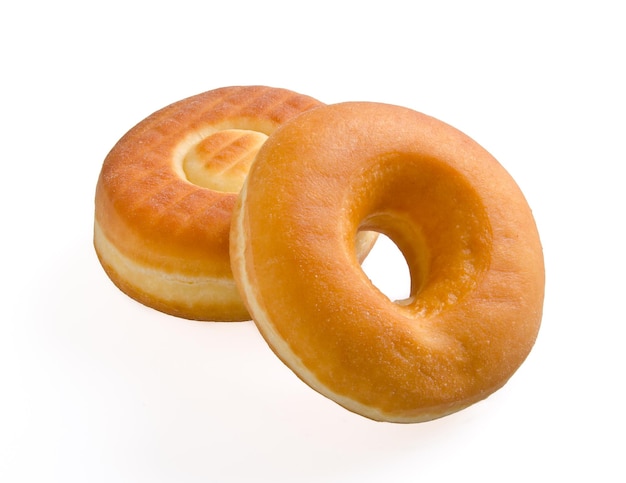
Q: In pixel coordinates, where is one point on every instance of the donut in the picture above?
(166, 192)
(463, 225)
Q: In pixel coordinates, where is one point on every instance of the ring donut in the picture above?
(166, 192)
(462, 223)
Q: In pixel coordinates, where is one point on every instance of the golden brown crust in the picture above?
(462, 223)
(166, 191)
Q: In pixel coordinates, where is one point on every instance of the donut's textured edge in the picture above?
(179, 295)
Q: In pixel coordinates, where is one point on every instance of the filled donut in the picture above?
(462, 223)
(165, 195)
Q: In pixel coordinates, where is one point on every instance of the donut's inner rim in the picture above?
(395, 265)
(391, 226)
(418, 250)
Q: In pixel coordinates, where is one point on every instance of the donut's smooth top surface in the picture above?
(462, 223)
(165, 196)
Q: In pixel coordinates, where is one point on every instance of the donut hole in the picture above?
(438, 224)
(221, 161)
(388, 270)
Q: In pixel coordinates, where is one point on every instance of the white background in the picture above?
(97, 388)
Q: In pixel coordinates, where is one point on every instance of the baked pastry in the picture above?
(166, 192)
(462, 223)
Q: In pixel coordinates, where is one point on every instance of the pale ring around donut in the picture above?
(165, 195)
(462, 223)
